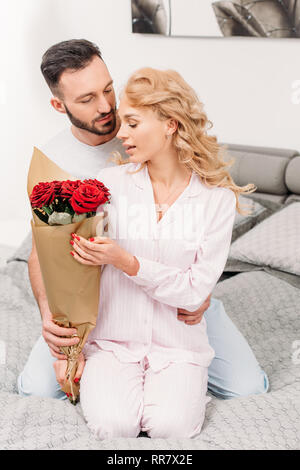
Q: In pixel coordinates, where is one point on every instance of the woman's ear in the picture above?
(172, 126)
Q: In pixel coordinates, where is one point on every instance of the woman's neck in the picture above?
(167, 171)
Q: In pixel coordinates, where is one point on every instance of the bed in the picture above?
(261, 294)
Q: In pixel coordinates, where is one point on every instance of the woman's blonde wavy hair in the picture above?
(167, 93)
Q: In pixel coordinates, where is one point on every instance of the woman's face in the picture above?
(144, 136)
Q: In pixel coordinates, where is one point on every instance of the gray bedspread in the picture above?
(265, 308)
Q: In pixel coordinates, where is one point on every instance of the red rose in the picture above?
(99, 185)
(68, 187)
(57, 187)
(87, 197)
(42, 195)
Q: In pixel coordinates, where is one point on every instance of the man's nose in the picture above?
(103, 105)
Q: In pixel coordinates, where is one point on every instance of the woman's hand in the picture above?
(102, 250)
(60, 367)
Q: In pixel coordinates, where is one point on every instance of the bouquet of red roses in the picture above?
(62, 206)
(66, 202)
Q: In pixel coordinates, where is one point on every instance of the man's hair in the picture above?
(74, 54)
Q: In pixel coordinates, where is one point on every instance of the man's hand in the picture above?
(54, 336)
(192, 318)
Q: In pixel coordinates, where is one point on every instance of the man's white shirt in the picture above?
(79, 159)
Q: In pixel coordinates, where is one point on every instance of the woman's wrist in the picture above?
(129, 265)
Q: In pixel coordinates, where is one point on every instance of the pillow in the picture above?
(292, 173)
(243, 223)
(292, 198)
(275, 242)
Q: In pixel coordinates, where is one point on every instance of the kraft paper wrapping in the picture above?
(72, 288)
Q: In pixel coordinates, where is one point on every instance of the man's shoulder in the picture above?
(56, 141)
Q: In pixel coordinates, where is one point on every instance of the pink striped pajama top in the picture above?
(181, 259)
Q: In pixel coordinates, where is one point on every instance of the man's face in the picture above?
(89, 99)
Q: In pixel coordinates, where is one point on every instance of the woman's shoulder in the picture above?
(215, 191)
(222, 192)
(219, 195)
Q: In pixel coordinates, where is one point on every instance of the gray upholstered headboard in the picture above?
(275, 172)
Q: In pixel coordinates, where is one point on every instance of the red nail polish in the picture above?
(76, 380)
(72, 243)
(72, 253)
(73, 235)
(92, 239)
(67, 394)
(77, 238)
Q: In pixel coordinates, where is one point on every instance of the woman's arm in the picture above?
(189, 289)
(168, 284)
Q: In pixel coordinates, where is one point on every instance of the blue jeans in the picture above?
(234, 371)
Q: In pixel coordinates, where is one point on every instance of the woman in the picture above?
(171, 217)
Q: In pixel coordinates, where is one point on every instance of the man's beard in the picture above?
(107, 128)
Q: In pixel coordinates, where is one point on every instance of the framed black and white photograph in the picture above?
(205, 18)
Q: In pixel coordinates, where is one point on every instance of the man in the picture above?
(82, 88)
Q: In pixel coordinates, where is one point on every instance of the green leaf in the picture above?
(47, 209)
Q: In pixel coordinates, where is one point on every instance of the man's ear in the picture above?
(58, 105)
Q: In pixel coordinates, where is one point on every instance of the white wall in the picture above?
(246, 84)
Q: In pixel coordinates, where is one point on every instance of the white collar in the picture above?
(142, 180)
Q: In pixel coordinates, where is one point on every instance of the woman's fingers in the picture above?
(82, 260)
(84, 255)
(82, 252)
(101, 240)
(81, 364)
(91, 253)
(92, 244)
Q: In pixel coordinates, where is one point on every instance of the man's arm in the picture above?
(192, 318)
(52, 333)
